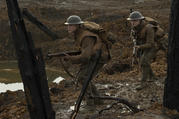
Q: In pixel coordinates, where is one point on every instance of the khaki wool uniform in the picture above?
(146, 35)
(88, 44)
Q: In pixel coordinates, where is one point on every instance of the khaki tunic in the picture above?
(88, 43)
(147, 51)
(150, 38)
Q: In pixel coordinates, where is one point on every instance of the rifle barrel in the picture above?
(62, 54)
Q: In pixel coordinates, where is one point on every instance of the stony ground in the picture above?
(118, 79)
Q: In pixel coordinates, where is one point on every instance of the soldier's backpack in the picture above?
(106, 37)
(151, 21)
(97, 29)
(161, 37)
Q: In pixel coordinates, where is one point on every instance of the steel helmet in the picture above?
(135, 16)
(73, 19)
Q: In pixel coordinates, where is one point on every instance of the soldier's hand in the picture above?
(48, 56)
(137, 47)
(66, 57)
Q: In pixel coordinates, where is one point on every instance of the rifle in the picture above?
(134, 52)
(62, 54)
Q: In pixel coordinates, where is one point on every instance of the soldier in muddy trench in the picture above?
(88, 44)
(148, 38)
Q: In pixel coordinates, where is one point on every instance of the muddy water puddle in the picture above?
(10, 78)
(19, 86)
(12, 87)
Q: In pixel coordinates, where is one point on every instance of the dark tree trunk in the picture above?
(171, 92)
(31, 66)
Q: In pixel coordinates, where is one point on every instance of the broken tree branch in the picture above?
(120, 100)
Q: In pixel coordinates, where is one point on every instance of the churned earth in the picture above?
(117, 79)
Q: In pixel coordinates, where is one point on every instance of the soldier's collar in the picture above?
(78, 33)
(140, 26)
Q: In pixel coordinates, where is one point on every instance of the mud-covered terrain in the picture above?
(117, 79)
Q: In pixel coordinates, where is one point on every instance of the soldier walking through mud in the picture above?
(148, 38)
(88, 43)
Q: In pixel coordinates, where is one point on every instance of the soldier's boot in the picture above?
(88, 107)
(148, 75)
(146, 72)
(90, 103)
(152, 77)
(95, 93)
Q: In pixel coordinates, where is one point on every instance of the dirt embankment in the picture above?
(120, 78)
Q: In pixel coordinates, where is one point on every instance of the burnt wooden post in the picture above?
(31, 66)
(171, 92)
